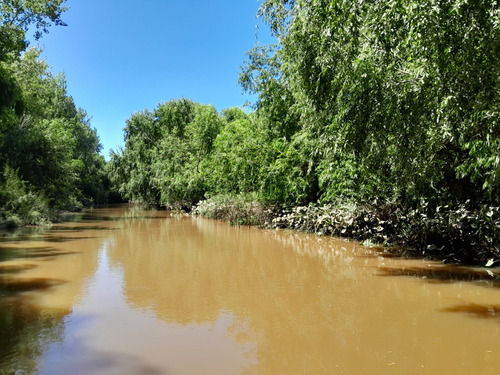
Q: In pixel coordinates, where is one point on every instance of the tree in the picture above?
(165, 151)
(49, 154)
(48, 141)
(262, 74)
(401, 97)
(17, 16)
(239, 153)
(181, 157)
(131, 168)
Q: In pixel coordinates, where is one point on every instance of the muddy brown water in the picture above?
(129, 291)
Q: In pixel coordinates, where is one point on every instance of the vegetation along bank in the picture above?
(49, 153)
(375, 120)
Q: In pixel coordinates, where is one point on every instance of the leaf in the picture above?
(490, 262)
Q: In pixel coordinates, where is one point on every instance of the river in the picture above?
(124, 290)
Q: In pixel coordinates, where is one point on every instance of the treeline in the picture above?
(49, 153)
(375, 120)
(182, 151)
(389, 106)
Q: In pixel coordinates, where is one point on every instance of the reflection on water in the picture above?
(107, 336)
(24, 330)
(129, 291)
(480, 311)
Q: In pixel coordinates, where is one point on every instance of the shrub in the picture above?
(459, 234)
(18, 204)
(242, 209)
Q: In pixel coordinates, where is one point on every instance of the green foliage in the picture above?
(262, 74)
(233, 114)
(240, 152)
(17, 16)
(48, 150)
(165, 153)
(47, 141)
(51, 142)
(401, 96)
(92, 183)
(131, 169)
(20, 205)
(241, 209)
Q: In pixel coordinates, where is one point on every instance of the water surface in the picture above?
(130, 291)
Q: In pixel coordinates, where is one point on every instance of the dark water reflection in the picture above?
(446, 274)
(25, 328)
(480, 311)
(143, 292)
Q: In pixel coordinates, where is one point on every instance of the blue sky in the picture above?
(122, 56)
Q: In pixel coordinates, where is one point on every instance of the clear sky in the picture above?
(123, 56)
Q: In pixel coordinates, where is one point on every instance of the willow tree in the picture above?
(400, 98)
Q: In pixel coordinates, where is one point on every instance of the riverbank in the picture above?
(461, 234)
(15, 220)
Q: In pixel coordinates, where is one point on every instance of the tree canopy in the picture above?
(16, 18)
(400, 98)
(49, 153)
(397, 101)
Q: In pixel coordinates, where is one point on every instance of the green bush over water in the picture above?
(20, 206)
(460, 234)
(242, 209)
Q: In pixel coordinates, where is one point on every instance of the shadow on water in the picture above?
(24, 327)
(10, 286)
(80, 229)
(93, 218)
(14, 270)
(116, 218)
(65, 239)
(111, 361)
(56, 239)
(448, 274)
(23, 234)
(76, 222)
(7, 254)
(392, 252)
(445, 274)
(45, 234)
(25, 330)
(84, 360)
(490, 312)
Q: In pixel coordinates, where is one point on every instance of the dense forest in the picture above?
(377, 120)
(49, 153)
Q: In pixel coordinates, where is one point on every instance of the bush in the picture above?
(458, 234)
(242, 209)
(18, 204)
